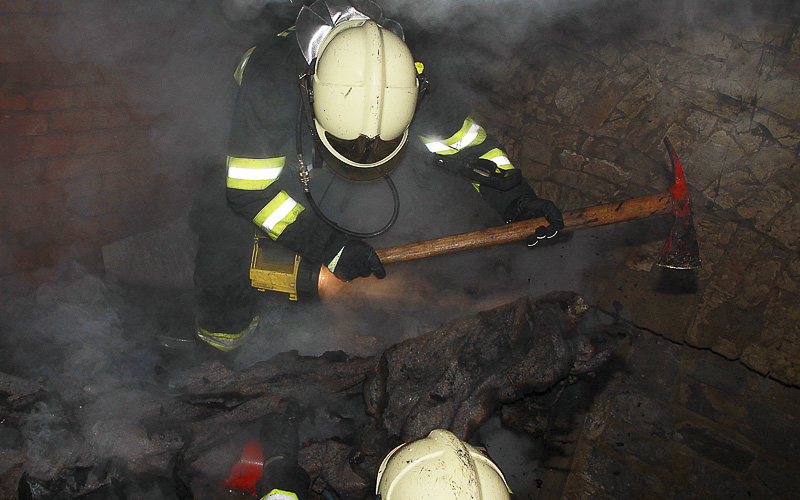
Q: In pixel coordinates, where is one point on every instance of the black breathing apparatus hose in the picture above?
(305, 180)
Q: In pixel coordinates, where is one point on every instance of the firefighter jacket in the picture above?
(262, 144)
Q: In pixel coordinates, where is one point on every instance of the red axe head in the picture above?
(681, 250)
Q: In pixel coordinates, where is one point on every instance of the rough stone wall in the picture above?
(76, 170)
(679, 422)
(584, 111)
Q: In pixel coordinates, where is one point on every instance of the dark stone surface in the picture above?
(653, 366)
(643, 412)
(694, 397)
(9, 437)
(627, 442)
(776, 432)
(778, 479)
(716, 448)
(727, 377)
(711, 481)
(616, 477)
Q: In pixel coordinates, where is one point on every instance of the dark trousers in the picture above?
(226, 301)
(284, 475)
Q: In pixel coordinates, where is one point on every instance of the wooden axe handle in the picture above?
(610, 213)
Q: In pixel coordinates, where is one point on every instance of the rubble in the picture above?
(187, 425)
(457, 376)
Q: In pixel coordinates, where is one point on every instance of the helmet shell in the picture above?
(365, 84)
(442, 467)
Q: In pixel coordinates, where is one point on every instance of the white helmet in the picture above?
(440, 467)
(365, 94)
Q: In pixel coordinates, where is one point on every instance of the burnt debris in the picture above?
(191, 423)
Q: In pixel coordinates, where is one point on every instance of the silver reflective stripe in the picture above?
(501, 160)
(237, 75)
(437, 147)
(469, 136)
(277, 216)
(280, 495)
(254, 174)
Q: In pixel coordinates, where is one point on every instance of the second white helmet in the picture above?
(440, 467)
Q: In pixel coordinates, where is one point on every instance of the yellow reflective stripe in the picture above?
(470, 134)
(472, 137)
(335, 260)
(225, 341)
(237, 75)
(499, 158)
(277, 214)
(279, 495)
(253, 173)
(286, 32)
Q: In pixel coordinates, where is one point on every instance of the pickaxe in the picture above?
(299, 278)
(680, 252)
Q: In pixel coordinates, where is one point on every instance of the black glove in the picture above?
(530, 206)
(356, 259)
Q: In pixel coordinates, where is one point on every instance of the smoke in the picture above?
(175, 61)
(90, 339)
(178, 58)
(71, 337)
(240, 10)
(243, 10)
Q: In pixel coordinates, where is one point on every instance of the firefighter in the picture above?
(360, 90)
(439, 466)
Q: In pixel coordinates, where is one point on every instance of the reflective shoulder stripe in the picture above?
(253, 174)
(279, 495)
(470, 134)
(499, 158)
(240, 68)
(277, 214)
(226, 341)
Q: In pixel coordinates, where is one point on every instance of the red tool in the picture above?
(680, 252)
(246, 473)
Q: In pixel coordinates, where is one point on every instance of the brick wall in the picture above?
(76, 169)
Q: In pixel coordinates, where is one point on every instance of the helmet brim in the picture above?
(335, 155)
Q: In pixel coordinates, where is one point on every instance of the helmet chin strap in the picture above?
(306, 111)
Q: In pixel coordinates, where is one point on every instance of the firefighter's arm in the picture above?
(462, 145)
(478, 156)
(287, 222)
(261, 136)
